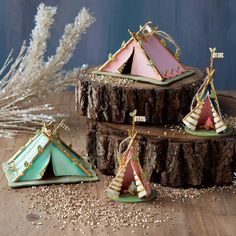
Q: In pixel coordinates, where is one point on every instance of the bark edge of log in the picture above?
(104, 101)
(169, 161)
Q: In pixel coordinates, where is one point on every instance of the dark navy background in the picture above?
(196, 25)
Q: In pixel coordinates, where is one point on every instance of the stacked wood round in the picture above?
(107, 99)
(170, 156)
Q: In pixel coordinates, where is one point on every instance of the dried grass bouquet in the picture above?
(29, 76)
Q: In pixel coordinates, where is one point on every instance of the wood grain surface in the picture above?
(214, 214)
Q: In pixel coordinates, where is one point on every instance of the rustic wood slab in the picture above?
(103, 98)
(213, 214)
(173, 157)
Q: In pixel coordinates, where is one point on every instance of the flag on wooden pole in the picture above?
(218, 55)
(140, 119)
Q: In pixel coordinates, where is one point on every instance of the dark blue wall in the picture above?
(195, 24)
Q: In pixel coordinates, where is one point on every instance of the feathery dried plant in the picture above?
(29, 76)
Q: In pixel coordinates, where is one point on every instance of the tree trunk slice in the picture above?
(172, 157)
(108, 99)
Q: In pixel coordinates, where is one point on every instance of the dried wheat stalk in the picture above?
(29, 76)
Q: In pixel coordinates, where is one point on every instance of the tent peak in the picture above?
(52, 131)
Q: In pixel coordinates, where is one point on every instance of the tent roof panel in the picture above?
(74, 157)
(142, 65)
(64, 166)
(162, 58)
(37, 168)
(27, 155)
(119, 57)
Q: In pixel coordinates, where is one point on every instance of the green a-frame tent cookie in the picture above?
(46, 159)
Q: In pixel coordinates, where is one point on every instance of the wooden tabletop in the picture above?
(214, 213)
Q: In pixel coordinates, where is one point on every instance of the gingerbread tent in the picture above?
(130, 183)
(206, 114)
(46, 159)
(145, 57)
(130, 177)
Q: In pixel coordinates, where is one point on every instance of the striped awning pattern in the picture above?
(191, 119)
(140, 188)
(114, 189)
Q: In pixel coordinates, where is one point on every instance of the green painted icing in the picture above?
(55, 180)
(25, 157)
(31, 149)
(62, 165)
(38, 165)
(133, 198)
(147, 79)
(44, 161)
(84, 163)
(208, 133)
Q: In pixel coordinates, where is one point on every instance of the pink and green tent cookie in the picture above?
(130, 183)
(205, 118)
(130, 177)
(146, 58)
